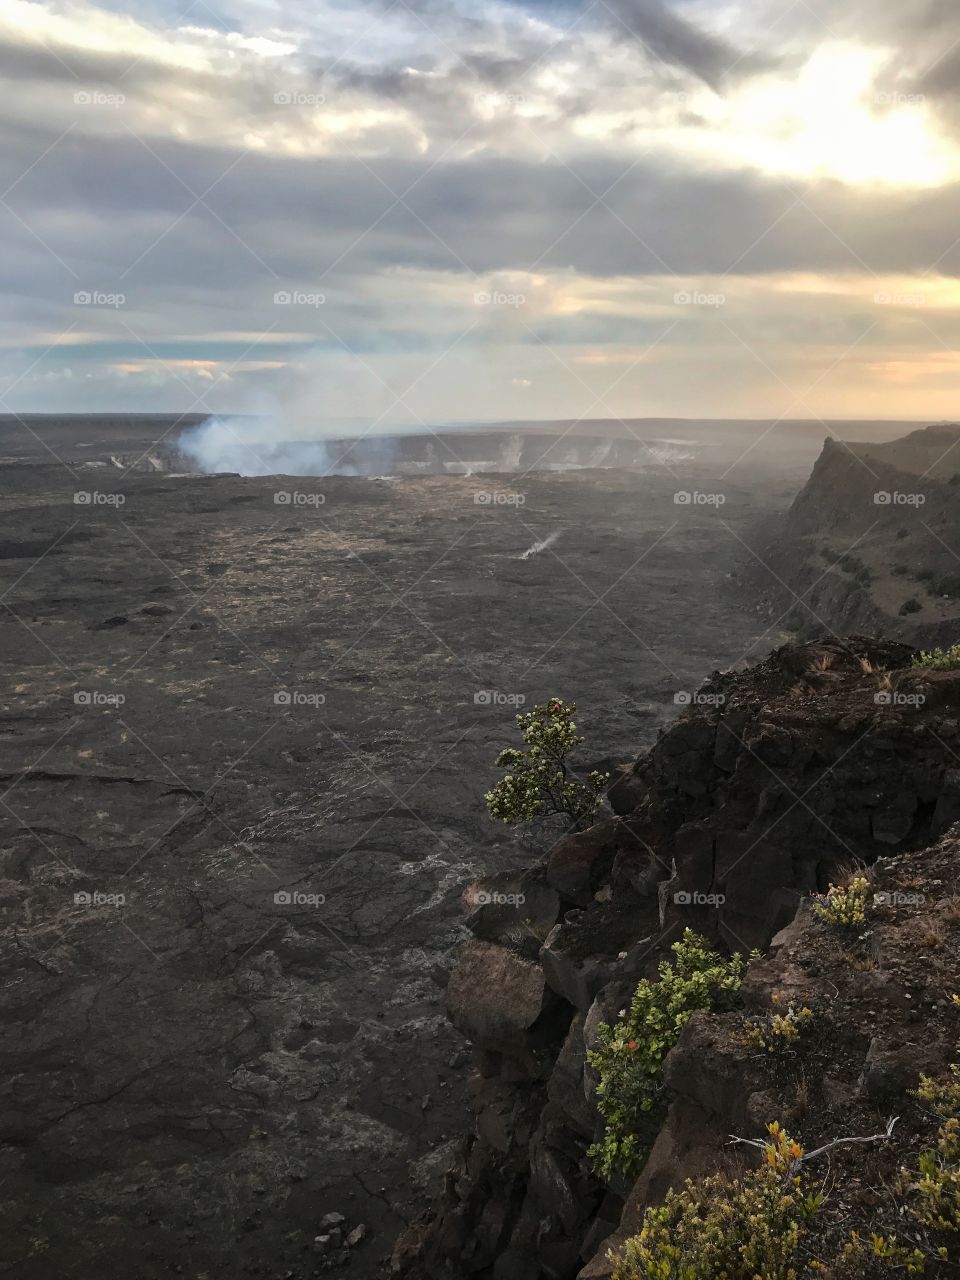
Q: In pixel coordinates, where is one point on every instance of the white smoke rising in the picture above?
(272, 444)
(537, 547)
(252, 447)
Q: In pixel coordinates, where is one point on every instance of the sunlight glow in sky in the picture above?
(446, 211)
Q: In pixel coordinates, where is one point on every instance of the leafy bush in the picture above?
(780, 1029)
(629, 1056)
(936, 1182)
(845, 905)
(747, 1228)
(539, 782)
(940, 659)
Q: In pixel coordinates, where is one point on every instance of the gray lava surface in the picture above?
(244, 745)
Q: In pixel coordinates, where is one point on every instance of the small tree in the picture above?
(538, 781)
(629, 1055)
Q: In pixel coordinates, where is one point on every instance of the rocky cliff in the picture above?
(776, 782)
(871, 543)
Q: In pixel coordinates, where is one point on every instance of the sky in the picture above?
(422, 211)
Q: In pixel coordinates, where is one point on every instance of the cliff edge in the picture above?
(832, 762)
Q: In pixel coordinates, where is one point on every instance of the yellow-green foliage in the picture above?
(747, 1228)
(845, 905)
(780, 1029)
(629, 1055)
(930, 1192)
(936, 1182)
(539, 781)
(940, 659)
(857, 1253)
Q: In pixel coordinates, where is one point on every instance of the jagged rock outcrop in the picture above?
(777, 779)
(869, 544)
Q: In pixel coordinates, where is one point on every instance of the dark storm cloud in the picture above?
(99, 208)
(678, 42)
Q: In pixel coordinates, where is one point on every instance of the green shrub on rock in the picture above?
(747, 1228)
(629, 1055)
(845, 906)
(940, 659)
(538, 781)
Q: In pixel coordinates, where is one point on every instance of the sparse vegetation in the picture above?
(929, 1193)
(538, 780)
(912, 605)
(849, 563)
(939, 659)
(629, 1057)
(935, 1184)
(845, 906)
(779, 1029)
(747, 1228)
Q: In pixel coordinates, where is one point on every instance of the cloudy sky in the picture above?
(407, 211)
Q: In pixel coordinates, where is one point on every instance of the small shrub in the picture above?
(934, 1186)
(538, 782)
(845, 906)
(754, 1227)
(900, 570)
(778, 1030)
(912, 605)
(902, 533)
(926, 575)
(629, 1055)
(948, 585)
(930, 1193)
(856, 567)
(940, 659)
